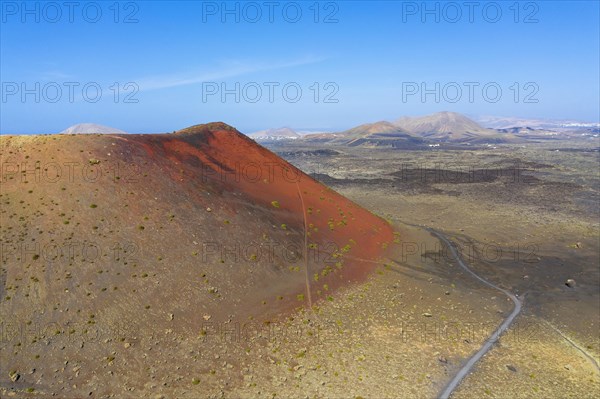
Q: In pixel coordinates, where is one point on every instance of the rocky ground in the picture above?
(403, 332)
(526, 218)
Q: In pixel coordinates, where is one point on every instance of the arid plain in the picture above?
(523, 216)
(198, 263)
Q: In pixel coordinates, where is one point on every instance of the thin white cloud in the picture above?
(234, 69)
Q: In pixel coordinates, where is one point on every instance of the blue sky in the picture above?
(367, 61)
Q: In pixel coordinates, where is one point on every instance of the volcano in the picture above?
(123, 237)
(451, 127)
(91, 128)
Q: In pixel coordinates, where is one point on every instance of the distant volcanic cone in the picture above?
(91, 128)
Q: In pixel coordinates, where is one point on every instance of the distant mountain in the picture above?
(451, 126)
(498, 122)
(368, 129)
(378, 134)
(282, 133)
(324, 137)
(528, 132)
(83, 128)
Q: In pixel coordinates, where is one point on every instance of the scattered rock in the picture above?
(443, 359)
(171, 316)
(427, 314)
(570, 283)
(208, 210)
(14, 376)
(206, 317)
(511, 368)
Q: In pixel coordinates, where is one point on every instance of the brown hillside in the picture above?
(110, 240)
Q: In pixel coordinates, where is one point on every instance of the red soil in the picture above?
(221, 155)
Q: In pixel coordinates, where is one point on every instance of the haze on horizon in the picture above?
(159, 68)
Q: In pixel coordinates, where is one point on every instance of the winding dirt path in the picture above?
(466, 368)
(489, 343)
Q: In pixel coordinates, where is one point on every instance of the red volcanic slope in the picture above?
(219, 154)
